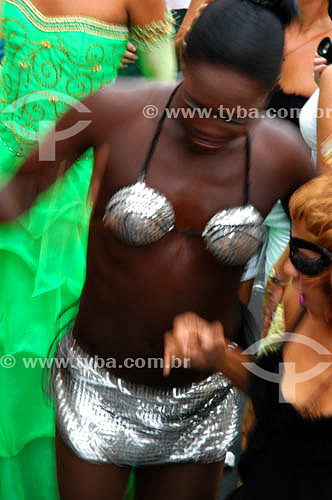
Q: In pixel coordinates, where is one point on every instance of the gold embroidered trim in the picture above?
(152, 35)
(69, 23)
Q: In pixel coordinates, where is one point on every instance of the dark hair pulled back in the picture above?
(247, 35)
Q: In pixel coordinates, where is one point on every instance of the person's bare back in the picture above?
(114, 12)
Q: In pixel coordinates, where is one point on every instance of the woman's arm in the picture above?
(232, 366)
(151, 29)
(202, 346)
(324, 122)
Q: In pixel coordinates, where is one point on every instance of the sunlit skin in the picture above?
(115, 12)
(301, 41)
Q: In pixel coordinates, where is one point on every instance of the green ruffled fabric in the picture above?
(42, 254)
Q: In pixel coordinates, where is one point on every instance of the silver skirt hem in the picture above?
(105, 419)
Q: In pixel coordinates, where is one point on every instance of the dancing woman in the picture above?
(175, 218)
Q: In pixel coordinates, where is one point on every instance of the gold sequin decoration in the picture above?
(153, 35)
(46, 44)
(36, 71)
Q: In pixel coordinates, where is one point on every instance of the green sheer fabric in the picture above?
(50, 64)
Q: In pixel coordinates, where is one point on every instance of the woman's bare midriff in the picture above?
(135, 293)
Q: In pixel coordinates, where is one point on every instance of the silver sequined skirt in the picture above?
(105, 419)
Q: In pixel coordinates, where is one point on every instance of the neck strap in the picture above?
(246, 182)
(157, 133)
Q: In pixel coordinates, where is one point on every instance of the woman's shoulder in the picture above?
(290, 165)
(128, 100)
(273, 128)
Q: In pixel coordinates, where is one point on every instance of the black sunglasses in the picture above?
(311, 266)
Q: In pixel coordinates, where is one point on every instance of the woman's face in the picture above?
(316, 297)
(223, 103)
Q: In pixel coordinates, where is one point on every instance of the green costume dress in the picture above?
(50, 64)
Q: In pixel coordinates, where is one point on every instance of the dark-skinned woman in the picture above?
(172, 228)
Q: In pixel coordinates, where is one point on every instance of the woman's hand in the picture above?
(129, 56)
(196, 341)
(320, 64)
(195, 9)
(202, 7)
(272, 297)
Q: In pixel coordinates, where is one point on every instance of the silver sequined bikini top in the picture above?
(139, 215)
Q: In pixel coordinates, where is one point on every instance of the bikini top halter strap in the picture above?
(157, 133)
(247, 182)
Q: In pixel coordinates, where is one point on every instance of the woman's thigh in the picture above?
(82, 480)
(179, 482)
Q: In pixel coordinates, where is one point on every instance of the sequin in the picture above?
(139, 215)
(153, 35)
(46, 44)
(44, 48)
(235, 235)
(105, 419)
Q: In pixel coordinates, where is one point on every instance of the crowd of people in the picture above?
(134, 218)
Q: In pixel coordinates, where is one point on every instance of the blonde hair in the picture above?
(312, 205)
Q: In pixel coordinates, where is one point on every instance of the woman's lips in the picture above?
(207, 144)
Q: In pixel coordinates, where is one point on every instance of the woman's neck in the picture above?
(317, 321)
(321, 326)
(312, 12)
